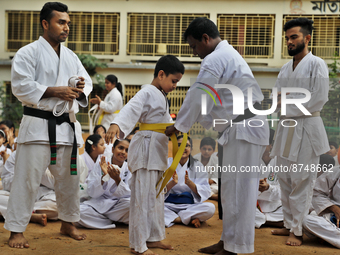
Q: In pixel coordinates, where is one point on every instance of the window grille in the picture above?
(325, 37)
(252, 35)
(90, 33)
(157, 34)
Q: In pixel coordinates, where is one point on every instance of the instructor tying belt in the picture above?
(53, 121)
(290, 134)
(176, 152)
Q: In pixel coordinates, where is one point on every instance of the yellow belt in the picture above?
(102, 115)
(176, 152)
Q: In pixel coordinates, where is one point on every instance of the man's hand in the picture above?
(96, 100)
(112, 133)
(264, 185)
(63, 92)
(81, 85)
(170, 130)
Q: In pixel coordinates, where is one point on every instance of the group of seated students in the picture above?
(105, 191)
(104, 185)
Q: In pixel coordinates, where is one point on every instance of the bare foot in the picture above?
(215, 248)
(196, 223)
(147, 252)
(68, 229)
(177, 220)
(39, 218)
(160, 245)
(281, 232)
(17, 240)
(294, 240)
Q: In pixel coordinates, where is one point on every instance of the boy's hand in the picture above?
(336, 210)
(170, 130)
(112, 133)
(264, 185)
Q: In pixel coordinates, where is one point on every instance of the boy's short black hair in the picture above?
(336, 146)
(326, 160)
(200, 26)
(305, 24)
(169, 64)
(208, 141)
(46, 12)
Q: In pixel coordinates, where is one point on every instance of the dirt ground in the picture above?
(185, 239)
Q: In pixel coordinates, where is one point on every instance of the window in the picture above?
(157, 34)
(94, 33)
(23, 27)
(325, 37)
(251, 35)
(90, 33)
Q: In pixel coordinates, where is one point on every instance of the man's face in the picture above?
(200, 48)
(59, 26)
(296, 41)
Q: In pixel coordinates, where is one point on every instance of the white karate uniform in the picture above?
(148, 153)
(226, 66)
(325, 194)
(309, 138)
(45, 199)
(213, 175)
(112, 102)
(9, 152)
(188, 212)
(109, 202)
(270, 199)
(36, 67)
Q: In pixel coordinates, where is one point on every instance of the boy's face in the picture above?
(207, 151)
(168, 83)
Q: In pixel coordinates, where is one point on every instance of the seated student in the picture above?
(101, 130)
(45, 206)
(8, 127)
(333, 151)
(4, 153)
(109, 189)
(324, 222)
(208, 158)
(269, 209)
(326, 162)
(94, 147)
(191, 182)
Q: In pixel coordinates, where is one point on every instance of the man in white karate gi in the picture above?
(49, 80)
(222, 64)
(298, 148)
(326, 202)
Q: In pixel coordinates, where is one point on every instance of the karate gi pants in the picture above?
(146, 222)
(91, 218)
(239, 194)
(30, 164)
(262, 217)
(322, 227)
(297, 187)
(188, 212)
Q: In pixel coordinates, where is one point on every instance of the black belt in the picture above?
(53, 121)
(247, 113)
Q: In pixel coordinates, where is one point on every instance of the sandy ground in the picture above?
(185, 240)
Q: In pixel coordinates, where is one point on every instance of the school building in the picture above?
(130, 35)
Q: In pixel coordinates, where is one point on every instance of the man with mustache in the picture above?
(51, 83)
(298, 147)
